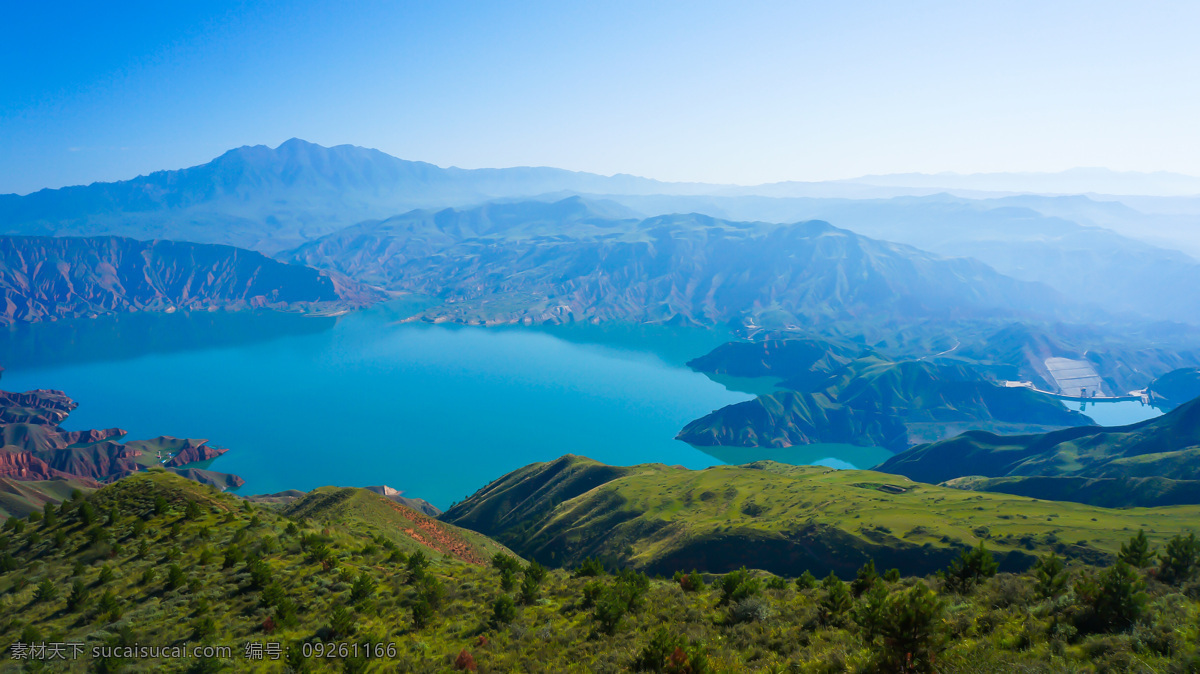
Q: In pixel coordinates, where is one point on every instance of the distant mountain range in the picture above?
(270, 199)
(275, 199)
(575, 260)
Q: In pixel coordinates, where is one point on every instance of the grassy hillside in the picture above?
(19, 498)
(1165, 447)
(785, 519)
(370, 513)
(154, 560)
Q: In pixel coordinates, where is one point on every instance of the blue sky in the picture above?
(743, 92)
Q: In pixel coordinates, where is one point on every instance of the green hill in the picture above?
(1091, 464)
(154, 561)
(371, 513)
(783, 519)
(865, 399)
(1175, 388)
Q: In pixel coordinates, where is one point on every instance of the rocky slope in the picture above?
(40, 454)
(1155, 461)
(49, 278)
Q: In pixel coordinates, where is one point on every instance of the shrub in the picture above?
(749, 609)
(672, 654)
(777, 583)
(689, 582)
(737, 585)
(464, 662)
(590, 568)
(106, 575)
(806, 581)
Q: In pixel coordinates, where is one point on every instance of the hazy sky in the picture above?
(740, 92)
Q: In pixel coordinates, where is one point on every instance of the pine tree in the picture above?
(866, 579)
(46, 591)
(836, 602)
(910, 634)
(504, 610)
(1180, 560)
(971, 567)
(363, 588)
(1136, 552)
(78, 597)
(1116, 598)
(341, 622)
(1051, 576)
(806, 581)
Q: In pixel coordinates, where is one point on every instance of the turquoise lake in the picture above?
(436, 411)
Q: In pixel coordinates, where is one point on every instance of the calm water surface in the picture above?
(436, 411)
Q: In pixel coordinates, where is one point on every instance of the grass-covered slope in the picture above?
(374, 514)
(1164, 447)
(787, 518)
(160, 562)
(19, 498)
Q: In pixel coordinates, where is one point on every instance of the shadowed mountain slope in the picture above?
(1081, 459)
